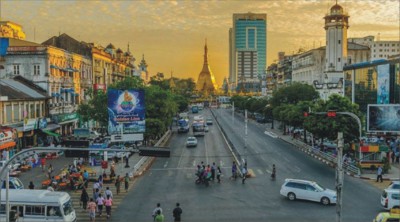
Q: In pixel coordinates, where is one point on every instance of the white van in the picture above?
(15, 183)
(390, 199)
(39, 205)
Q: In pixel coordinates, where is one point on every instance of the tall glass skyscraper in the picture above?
(247, 51)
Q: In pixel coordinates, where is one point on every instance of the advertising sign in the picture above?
(383, 84)
(30, 124)
(126, 111)
(383, 118)
(6, 136)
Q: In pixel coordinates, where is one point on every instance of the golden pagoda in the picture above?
(206, 81)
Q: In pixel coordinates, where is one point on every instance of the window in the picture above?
(53, 211)
(36, 70)
(34, 210)
(9, 114)
(32, 110)
(16, 69)
(339, 42)
(16, 112)
(338, 59)
(310, 188)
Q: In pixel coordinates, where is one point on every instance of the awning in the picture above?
(51, 133)
(7, 145)
(51, 126)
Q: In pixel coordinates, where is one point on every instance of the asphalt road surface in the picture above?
(171, 180)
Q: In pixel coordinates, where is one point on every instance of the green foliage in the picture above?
(293, 94)
(95, 109)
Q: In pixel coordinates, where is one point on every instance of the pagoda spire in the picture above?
(205, 54)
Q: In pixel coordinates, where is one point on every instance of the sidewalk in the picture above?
(394, 172)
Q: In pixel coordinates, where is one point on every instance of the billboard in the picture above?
(383, 84)
(126, 111)
(383, 118)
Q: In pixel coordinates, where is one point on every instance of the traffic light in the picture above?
(155, 151)
(331, 113)
(306, 114)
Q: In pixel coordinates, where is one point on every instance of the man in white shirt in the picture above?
(158, 208)
(108, 192)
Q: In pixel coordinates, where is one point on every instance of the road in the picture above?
(171, 180)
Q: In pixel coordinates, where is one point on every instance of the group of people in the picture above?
(158, 215)
(206, 173)
(95, 205)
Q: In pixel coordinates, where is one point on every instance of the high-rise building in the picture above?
(247, 51)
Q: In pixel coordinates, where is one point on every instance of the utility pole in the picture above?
(7, 188)
(339, 178)
(245, 137)
(233, 112)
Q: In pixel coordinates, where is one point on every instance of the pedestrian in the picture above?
(127, 160)
(31, 186)
(392, 156)
(234, 170)
(177, 212)
(86, 179)
(219, 173)
(213, 168)
(273, 174)
(158, 208)
(84, 198)
(43, 163)
(92, 210)
(96, 193)
(100, 203)
(244, 174)
(108, 203)
(112, 169)
(108, 192)
(100, 180)
(118, 184)
(159, 217)
(379, 174)
(126, 180)
(397, 154)
(49, 171)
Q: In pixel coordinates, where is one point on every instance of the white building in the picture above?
(379, 49)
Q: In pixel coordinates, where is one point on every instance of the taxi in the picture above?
(392, 216)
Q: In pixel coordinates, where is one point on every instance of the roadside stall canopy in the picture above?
(371, 148)
(7, 145)
(51, 133)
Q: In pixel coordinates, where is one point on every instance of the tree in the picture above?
(95, 109)
(293, 94)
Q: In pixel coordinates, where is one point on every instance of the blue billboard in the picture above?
(383, 84)
(126, 111)
(383, 118)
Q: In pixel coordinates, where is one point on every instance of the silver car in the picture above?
(307, 190)
(191, 142)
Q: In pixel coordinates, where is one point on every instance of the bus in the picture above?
(198, 126)
(38, 205)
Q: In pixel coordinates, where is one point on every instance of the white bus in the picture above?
(38, 205)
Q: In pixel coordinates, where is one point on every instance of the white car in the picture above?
(206, 129)
(191, 142)
(390, 198)
(394, 185)
(307, 190)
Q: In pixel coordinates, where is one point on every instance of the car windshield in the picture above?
(319, 187)
(67, 207)
(191, 139)
(396, 186)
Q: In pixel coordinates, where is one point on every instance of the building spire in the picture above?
(205, 53)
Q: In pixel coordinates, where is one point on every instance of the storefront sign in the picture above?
(30, 124)
(65, 117)
(6, 136)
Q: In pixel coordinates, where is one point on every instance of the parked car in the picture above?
(394, 185)
(392, 216)
(390, 199)
(191, 142)
(307, 190)
(209, 121)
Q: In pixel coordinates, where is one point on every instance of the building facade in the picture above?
(247, 51)
(379, 49)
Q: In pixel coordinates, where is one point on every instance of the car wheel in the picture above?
(291, 196)
(325, 201)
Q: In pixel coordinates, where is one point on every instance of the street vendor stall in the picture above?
(372, 155)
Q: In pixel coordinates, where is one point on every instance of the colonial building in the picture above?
(206, 81)
(12, 30)
(379, 49)
(23, 108)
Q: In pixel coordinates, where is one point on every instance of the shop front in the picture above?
(372, 155)
(67, 122)
(8, 138)
(48, 133)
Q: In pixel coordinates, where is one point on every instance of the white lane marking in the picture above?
(268, 171)
(221, 163)
(259, 171)
(180, 158)
(180, 168)
(205, 147)
(166, 164)
(271, 134)
(296, 169)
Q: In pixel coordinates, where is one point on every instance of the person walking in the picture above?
(244, 174)
(379, 174)
(273, 174)
(158, 208)
(49, 171)
(100, 203)
(92, 210)
(108, 203)
(159, 217)
(126, 181)
(213, 168)
(177, 212)
(43, 163)
(118, 184)
(84, 198)
(108, 193)
(31, 186)
(219, 173)
(234, 170)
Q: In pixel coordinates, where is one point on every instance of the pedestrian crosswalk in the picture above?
(83, 214)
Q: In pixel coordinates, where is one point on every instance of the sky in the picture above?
(171, 34)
